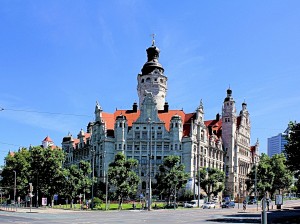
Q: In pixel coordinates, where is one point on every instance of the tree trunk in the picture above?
(120, 203)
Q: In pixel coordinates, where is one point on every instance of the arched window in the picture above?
(148, 79)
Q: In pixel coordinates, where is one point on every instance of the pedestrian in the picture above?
(244, 205)
(268, 204)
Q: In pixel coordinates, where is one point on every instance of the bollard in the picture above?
(264, 212)
(264, 217)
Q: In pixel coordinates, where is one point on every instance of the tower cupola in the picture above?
(152, 78)
(152, 62)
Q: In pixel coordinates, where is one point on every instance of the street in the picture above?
(218, 215)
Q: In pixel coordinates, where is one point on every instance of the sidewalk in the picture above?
(39, 210)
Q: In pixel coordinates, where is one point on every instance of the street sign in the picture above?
(55, 197)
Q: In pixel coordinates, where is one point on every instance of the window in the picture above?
(144, 160)
(120, 146)
(137, 135)
(166, 147)
(159, 135)
(176, 147)
(148, 79)
(144, 135)
(158, 147)
(161, 81)
(144, 147)
(143, 80)
(136, 147)
(158, 160)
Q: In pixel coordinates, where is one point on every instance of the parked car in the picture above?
(209, 205)
(228, 204)
(190, 204)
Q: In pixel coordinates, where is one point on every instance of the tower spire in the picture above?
(153, 39)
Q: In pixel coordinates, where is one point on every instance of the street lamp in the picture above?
(198, 167)
(15, 186)
(150, 165)
(255, 186)
(93, 173)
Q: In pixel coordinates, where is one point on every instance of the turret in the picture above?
(120, 132)
(98, 112)
(176, 130)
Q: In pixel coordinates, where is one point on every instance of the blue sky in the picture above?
(62, 56)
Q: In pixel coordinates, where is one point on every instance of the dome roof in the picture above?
(152, 63)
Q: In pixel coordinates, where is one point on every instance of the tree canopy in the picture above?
(37, 165)
(171, 176)
(292, 148)
(271, 175)
(211, 181)
(122, 177)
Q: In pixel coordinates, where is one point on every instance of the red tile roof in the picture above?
(47, 139)
(133, 116)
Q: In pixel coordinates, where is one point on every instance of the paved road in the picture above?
(42, 216)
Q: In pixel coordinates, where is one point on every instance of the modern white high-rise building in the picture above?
(151, 126)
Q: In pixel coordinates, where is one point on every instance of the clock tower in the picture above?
(152, 78)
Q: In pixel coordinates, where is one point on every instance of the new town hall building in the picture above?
(153, 128)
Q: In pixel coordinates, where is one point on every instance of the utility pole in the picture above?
(150, 165)
(106, 180)
(106, 192)
(15, 187)
(198, 172)
(93, 175)
(255, 186)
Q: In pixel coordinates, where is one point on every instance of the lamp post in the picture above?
(15, 186)
(198, 171)
(150, 165)
(106, 180)
(255, 186)
(93, 173)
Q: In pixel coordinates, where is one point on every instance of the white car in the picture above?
(190, 204)
(209, 205)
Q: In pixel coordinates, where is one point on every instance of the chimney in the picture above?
(134, 107)
(217, 117)
(166, 107)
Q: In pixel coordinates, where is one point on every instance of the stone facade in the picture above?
(154, 129)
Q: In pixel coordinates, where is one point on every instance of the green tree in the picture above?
(20, 163)
(283, 177)
(271, 175)
(292, 148)
(171, 176)
(77, 180)
(264, 176)
(46, 165)
(211, 181)
(122, 177)
(85, 177)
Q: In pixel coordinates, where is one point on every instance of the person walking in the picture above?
(244, 205)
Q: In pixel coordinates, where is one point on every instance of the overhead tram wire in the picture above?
(43, 112)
